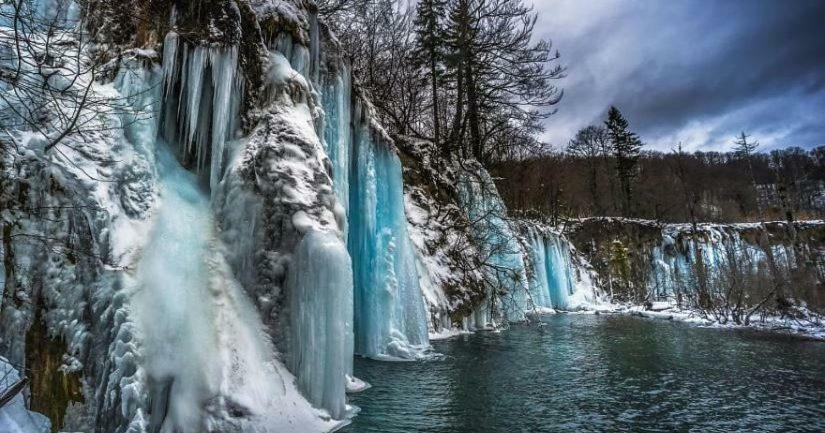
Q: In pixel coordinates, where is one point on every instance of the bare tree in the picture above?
(48, 68)
(589, 144)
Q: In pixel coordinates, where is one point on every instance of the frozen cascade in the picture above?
(283, 238)
(554, 283)
(390, 317)
(498, 238)
(173, 304)
(208, 360)
(209, 364)
(337, 99)
(559, 270)
(539, 283)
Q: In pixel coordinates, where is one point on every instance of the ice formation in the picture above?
(280, 223)
(389, 309)
(552, 283)
(533, 263)
(502, 249)
(201, 101)
(208, 361)
(320, 301)
(674, 260)
(390, 318)
(229, 280)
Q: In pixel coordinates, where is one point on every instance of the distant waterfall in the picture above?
(552, 283)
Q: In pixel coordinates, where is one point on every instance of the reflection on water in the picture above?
(600, 373)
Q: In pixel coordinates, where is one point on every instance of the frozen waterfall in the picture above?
(552, 283)
(390, 318)
(320, 301)
(721, 249)
(502, 251)
(207, 357)
(209, 362)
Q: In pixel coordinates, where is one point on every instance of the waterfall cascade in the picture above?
(500, 246)
(532, 262)
(390, 317)
(209, 362)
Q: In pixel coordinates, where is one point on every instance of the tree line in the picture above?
(467, 75)
(605, 171)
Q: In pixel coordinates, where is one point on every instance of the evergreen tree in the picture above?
(459, 34)
(430, 51)
(626, 147)
(500, 74)
(745, 149)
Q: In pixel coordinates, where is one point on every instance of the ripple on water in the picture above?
(600, 373)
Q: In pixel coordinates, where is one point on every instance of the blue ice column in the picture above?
(559, 272)
(320, 302)
(539, 286)
(552, 281)
(337, 103)
(390, 318)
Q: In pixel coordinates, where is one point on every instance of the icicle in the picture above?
(224, 63)
(170, 61)
(201, 117)
(194, 86)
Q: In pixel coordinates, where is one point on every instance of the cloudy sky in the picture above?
(692, 71)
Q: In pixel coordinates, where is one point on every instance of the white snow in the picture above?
(14, 417)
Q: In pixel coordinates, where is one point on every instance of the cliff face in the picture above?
(775, 264)
(482, 267)
(216, 255)
(234, 226)
(150, 264)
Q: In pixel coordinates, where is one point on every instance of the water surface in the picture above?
(601, 373)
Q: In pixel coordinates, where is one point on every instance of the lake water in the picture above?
(574, 373)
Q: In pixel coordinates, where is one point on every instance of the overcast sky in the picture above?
(695, 71)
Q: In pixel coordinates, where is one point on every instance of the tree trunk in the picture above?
(445, 148)
(472, 114)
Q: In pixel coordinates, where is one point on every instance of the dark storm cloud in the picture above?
(696, 71)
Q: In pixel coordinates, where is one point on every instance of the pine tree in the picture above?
(501, 74)
(460, 33)
(745, 149)
(626, 147)
(430, 50)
